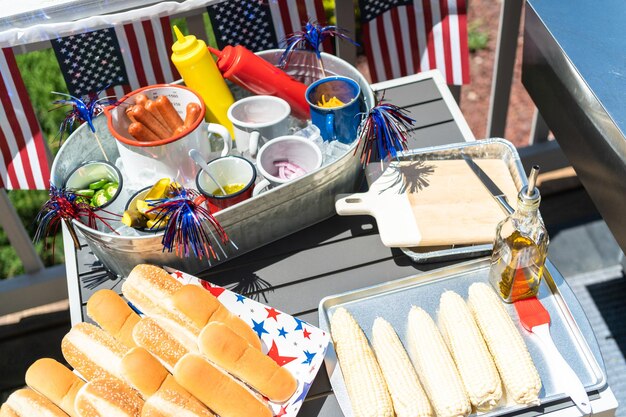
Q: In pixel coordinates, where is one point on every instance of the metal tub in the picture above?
(250, 224)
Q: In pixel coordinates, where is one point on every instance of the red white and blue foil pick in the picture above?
(190, 228)
(383, 132)
(82, 111)
(310, 38)
(65, 206)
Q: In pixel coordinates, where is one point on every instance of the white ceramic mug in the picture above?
(147, 162)
(257, 119)
(294, 149)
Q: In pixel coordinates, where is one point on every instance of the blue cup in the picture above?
(335, 123)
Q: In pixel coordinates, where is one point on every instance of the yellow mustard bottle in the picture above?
(200, 73)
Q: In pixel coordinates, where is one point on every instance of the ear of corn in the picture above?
(473, 360)
(407, 394)
(506, 345)
(364, 380)
(435, 367)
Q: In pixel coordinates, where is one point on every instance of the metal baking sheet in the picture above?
(569, 327)
(494, 148)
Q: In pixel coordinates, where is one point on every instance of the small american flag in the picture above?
(24, 164)
(121, 58)
(260, 25)
(403, 37)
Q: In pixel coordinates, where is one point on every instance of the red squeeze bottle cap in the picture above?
(214, 51)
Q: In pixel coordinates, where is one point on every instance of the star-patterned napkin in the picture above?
(292, 343)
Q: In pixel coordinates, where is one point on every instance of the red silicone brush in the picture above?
(536, 319)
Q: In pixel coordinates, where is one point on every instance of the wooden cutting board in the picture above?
(431, 203)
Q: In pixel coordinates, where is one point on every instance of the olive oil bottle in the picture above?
(520, 247)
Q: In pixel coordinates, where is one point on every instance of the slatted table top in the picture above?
(336, 255)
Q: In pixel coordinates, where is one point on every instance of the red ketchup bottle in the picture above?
(241, 66)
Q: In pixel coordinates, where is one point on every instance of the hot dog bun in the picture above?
(143, 371)
(172, 400)
(216, 389)
(54, 381)
(164, 396)
(234, 354)
(28, 403)
(149, 288)
(112, 313)
(93, 352)
(201, 307)
(156, 339)
(107, 398)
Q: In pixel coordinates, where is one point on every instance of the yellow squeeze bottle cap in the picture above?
(184, 44)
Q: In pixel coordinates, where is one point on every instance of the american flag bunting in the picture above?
(121, 58)
(404, 37)
(260, 25)
(24, 164)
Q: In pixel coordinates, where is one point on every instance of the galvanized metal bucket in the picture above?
(250, 224)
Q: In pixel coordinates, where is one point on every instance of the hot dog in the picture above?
(129, 114)
(152, 108)
(144, 116)
(140, 132)
(141, 99)
(169, 113)
(193, 112)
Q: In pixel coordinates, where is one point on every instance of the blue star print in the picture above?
(282, 332)
(309, 357)
(299, 323)
(240, 298)
(302, 395)
(259, 328)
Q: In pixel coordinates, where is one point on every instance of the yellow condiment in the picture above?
(332, 102)
(230, 189)
(200, 73)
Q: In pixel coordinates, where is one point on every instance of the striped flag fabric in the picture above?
(24, 164)
(404, 37)
(121, 58)
(260, 25)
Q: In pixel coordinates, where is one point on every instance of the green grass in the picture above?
(476, 38)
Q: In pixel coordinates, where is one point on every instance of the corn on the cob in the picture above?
(435, 367)
(473, 360)
(518, 373)
(407, 394)
(364, 380)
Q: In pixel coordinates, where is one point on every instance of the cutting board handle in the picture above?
(352, 204)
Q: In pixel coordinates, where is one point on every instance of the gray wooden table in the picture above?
(336, 255)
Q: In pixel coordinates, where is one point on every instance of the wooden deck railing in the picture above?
(40, 285)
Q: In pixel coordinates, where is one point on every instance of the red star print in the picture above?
(178, 274)
(306, 334)
(282, 412)
(280, 360)
(216, 291)
(272, 313)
